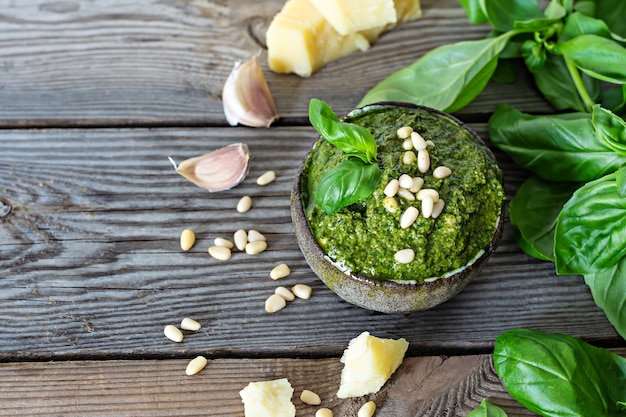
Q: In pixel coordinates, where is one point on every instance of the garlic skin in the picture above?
(246, 96)
(219, 170)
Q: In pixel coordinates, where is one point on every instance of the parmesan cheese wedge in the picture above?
(368, 363)
(268, 399)
(301, 40)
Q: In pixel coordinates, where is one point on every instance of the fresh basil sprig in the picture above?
(556, 375)
(353, 179)
(486, 409)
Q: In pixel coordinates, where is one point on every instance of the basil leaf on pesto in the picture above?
(345, 184)
(352, 139)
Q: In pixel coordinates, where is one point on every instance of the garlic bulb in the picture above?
(219, 170)
(246, 96)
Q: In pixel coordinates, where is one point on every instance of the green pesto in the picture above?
(364, 237)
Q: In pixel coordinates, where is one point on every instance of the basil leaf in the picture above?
(474, 11)
(534, 55)
(352, 139)
(556, 85)
(615, 99)
(599, 57)
(350, 181)
(612, 12)
(533, 212)
(611, 129)
(446, 78)
(503, 14)
(486, 409)
(621, 181)
(580, 24)
(555, 375)
(589, 233)
(607, 288)
(557, 148)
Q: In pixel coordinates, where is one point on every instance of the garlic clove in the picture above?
(246, 96)
(219, 170)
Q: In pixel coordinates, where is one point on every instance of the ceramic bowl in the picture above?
(386, 296)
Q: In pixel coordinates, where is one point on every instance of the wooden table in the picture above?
(94, 96)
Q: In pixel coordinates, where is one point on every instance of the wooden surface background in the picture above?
(94, 97)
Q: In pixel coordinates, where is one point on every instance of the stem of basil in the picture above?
(580, 86)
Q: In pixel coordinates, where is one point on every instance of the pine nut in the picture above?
(391, 188)
(367, 409)
(438, 208)
(418, 183)
(409, 157)
(427, 207)
(404, 132)
(301, 291)
(253, 236)
(390, 204)
(405, 181)
(310, 398)
(221, 253)
(285, 293)
(442, 172)
(406, 194)
(187, 239)
(428, 192)
(196, 365)
(423, 160)
(324, 412)
(430, 143)
(280, 271)
(275, 303)
(241, 239)
(190, 324)
(418, 141)
(407, 145)
(172, 333)
(220, 241)
(404, 256)
(266, 178)
(244, 204)
(256, 247)
(408, 217)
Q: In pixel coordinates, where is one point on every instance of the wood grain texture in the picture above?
(148, 62)
(421, 387)
(90, 264)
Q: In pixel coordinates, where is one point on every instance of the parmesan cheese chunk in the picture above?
(349, 16)
(301, 40)
(268, 399)
(368, 363)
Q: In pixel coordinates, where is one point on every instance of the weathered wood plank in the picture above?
(421, 387)
(90, 264)
(149, 62)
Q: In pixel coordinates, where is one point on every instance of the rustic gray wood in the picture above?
(147, 62)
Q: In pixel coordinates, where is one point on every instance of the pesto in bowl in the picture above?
(362, 240)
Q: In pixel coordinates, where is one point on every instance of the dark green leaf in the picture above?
(556, 375)
(615, 99)
(621, 182)
(580, 24)
(503, 14)
(556, 85)
(599, 57)
(610, 128)
(446, 78)
(505, 72)
(587, 7)
(612, 12)
(534, 211)
(474, 11)
(608, 288)
(350, 181)
(486, 409)
(352, 139)
(589, 232)
(534, 55)
(556, 148)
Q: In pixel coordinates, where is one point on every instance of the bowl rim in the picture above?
(476, 262)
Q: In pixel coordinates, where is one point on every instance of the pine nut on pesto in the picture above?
(365, 236)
